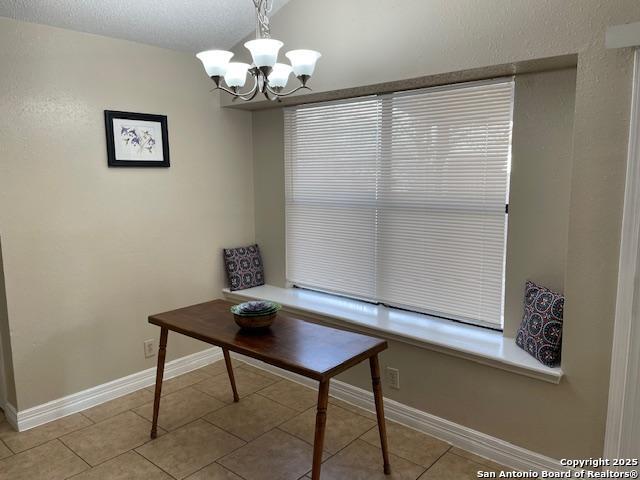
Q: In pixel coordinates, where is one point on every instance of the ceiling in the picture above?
(186, 25)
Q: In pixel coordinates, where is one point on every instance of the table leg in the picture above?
(227, 361)
(377, 393)
(321, 421)
(162, 352)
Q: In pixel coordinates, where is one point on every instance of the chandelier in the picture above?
(270, 78)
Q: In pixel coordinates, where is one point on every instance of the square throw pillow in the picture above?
(540, 332)
(244, 267)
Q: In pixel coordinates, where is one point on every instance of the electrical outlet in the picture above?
(149, 348)
(393, 378)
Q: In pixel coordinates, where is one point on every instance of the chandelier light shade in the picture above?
(264, 51)
(279, 76)
(269, 77)
(236, 74)
(215, 61)
(303, 62)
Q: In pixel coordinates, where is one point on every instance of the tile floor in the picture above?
(204, 435)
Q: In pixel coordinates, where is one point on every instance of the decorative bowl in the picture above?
(255, 314)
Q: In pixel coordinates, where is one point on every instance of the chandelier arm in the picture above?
(253, 93)
(284, 94)
(241, 96)
(224, 89)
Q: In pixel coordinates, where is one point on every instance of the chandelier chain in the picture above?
(263, 8)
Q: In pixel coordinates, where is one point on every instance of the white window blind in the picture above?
(400, 198)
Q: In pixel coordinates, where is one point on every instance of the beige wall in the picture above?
(366, 43)
(268, 171)
(89, 251)
(540, 186)
(8, 389)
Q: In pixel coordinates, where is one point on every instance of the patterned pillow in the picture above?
(244, 267)
(540, 332)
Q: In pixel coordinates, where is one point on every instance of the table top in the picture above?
(292, 343)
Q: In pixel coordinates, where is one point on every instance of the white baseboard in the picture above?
(11, 415)
(457, 435)
(47, 412)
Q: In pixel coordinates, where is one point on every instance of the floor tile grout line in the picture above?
(214, 461)
(230, 392)
(474, 461)
(449, 447)
(11, 450)
(326, 451)
(53, 438)
(206, 393)
(221, 428)
(298, 412)
(314, 409)
(27, 449)
(152, 439)
(226, 468)
(150, 425)
(276, 427)
(75, 454)
(59, 437)
(438, 459)
(228, 432)
(84, 416)
(224, 404)
(282, 404)
(193, 385)
(148, 460)
(328, 454)
(348, 445)
(7, 447)
(96, 465)
(108, 459)
(220, 465)
(271, 430)
(114, 400)
(253, 367)
(283, 379)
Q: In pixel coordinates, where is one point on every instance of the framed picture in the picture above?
(136, 139)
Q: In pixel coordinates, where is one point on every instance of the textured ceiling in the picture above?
(187, 25)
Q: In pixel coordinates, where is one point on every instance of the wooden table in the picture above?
(291, 343)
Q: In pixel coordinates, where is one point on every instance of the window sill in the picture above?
(466, 341)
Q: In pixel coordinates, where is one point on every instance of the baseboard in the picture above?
(47, 412)
(11, 415)
(460, 436)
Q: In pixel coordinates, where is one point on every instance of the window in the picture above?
(400, 198)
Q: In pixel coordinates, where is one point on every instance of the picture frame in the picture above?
(136, 139)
